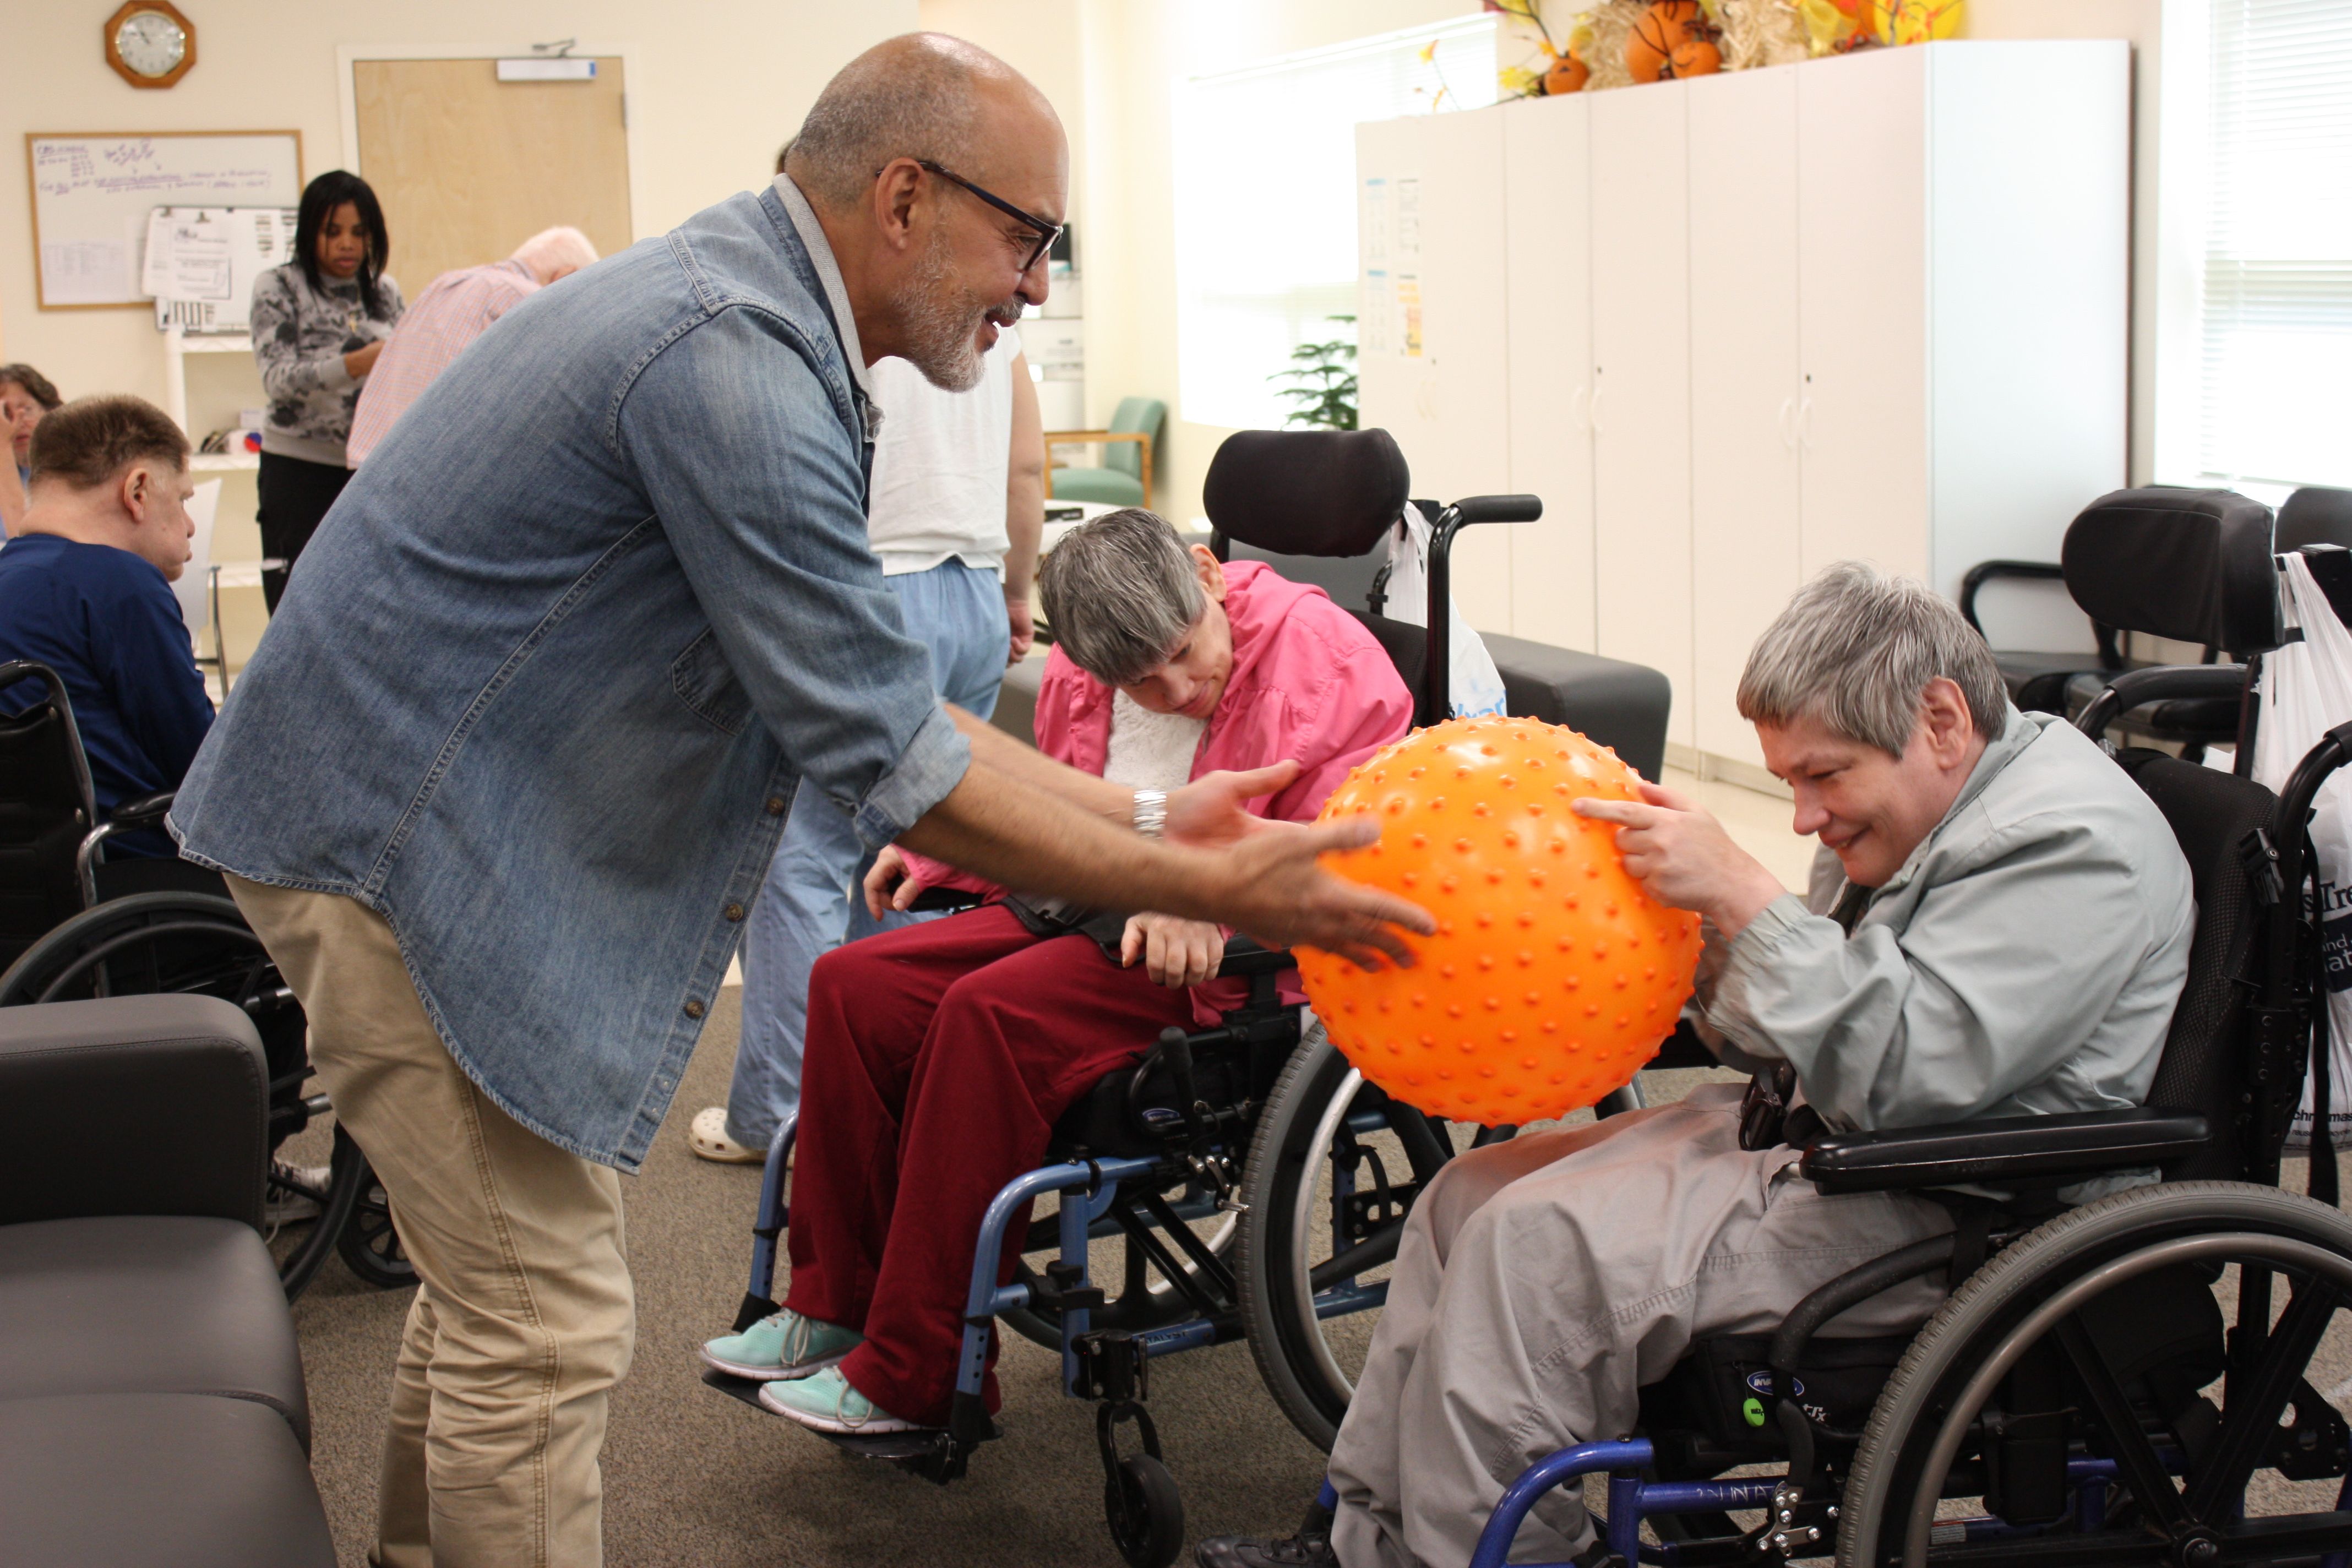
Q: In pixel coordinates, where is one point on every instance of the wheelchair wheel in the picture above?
(2018, 1385)
(369, 1245)
(1145, 1511)
(348, 1178)
(1333, 1169)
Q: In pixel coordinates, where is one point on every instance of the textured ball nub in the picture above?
(1553, 975)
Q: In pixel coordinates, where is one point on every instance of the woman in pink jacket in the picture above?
(940, 1055)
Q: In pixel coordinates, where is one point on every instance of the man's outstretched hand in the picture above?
(1683, 856)
(1278, 894)
(1213, 809)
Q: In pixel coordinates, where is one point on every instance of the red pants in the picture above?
(937, 1058)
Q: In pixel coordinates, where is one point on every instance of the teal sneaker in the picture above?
(781, 1344)
(828, 1403)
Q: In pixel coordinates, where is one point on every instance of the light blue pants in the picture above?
(810, 901)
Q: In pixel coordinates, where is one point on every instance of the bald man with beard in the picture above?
(501, 781)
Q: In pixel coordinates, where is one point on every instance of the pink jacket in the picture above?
(1308, 683)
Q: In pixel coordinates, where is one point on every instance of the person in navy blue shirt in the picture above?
(86, 588)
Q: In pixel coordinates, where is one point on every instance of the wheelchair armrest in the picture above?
(144, 811)
(1244, 957)
(174, 1088)
(2003, 1152)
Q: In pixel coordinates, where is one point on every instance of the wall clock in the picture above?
(150, 44)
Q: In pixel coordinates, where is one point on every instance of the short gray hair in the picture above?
(909, 97)
(1120, 593)
(1855, 649)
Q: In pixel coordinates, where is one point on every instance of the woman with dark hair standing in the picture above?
(319, 322)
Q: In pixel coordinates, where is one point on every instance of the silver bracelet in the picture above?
(1152, 813)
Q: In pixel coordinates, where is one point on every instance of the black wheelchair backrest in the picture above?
(2315, 514)
(2208, 1049)
(46, 804)
(2191, 565)
(1306, 492)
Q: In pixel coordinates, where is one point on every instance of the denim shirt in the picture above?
(543, 683)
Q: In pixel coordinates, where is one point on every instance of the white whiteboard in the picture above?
(92, 193)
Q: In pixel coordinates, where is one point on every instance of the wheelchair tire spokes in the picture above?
(2248, 1424)
(2141, 1469)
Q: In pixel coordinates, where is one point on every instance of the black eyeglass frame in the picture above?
(1048, 232)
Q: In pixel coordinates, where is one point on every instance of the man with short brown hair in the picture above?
(86, 588)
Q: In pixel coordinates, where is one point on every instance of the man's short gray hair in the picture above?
(1120, 593)
(1855, 649)
(911, 96)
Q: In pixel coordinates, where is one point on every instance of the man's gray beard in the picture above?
(942, 340)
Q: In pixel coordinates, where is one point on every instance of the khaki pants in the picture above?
(1541, 1282)
(524, 1317)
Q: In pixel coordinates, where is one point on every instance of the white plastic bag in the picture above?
(2306, 688)
(1477, 686)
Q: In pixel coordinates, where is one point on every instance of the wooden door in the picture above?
(1640, 380)
(1745, 550)
(1548, 249)
(467, 167)
(1862, 250)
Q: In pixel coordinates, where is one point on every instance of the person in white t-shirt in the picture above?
(954, 513)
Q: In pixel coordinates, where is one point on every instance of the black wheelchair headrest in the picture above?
(1306, 492)
(2315, 514)
(2192, 565)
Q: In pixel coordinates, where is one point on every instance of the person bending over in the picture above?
(86, 588)
(938, 1055)
(1998, 925)
(455, 309)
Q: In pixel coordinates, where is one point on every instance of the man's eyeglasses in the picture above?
(1047, 233)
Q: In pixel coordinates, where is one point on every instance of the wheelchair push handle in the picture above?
(1473, 510)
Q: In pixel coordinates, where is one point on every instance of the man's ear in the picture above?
(897, 191)
(136, 491)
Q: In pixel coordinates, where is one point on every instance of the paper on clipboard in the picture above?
(188, 256)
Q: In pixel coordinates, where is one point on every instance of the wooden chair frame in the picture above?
(1096, 438)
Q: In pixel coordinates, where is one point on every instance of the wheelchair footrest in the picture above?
(928, 1451)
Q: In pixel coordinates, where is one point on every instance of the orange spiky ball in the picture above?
(1553, 975)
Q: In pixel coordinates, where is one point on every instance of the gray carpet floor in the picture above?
(694, 1478)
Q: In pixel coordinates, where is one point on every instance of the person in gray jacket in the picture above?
(1998, 925)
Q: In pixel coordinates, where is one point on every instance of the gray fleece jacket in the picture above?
(2024, 960)
(300, 335)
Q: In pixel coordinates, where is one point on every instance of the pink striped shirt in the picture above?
(455, 309)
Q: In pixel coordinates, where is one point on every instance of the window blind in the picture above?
(1266, 201)
(2277, 298)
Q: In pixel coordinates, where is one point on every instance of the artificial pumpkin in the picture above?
(1568, 73)
(1667, 26)
(1696, 57)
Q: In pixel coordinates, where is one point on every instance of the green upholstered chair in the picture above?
(1124, 476)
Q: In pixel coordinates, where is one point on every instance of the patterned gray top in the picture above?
(300, 335)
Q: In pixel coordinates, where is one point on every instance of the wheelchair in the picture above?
(1258, 1184)
(2130, 1381)
(75, 925)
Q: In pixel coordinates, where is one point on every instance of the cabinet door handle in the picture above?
(1786, 425)
(1805, 424)
(1595, 407)
(1579, 407)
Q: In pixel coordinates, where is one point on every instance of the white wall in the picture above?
(714, 89)
(2142, 21)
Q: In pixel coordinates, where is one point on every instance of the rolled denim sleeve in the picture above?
(1997, 979)
(755, 476)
